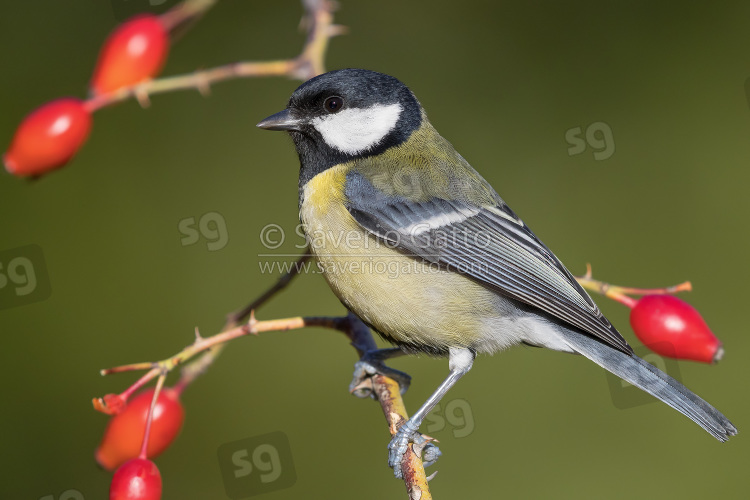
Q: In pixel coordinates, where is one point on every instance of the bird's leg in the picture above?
(459, 362)
(372, 362)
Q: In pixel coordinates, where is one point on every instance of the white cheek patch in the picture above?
(355, 130)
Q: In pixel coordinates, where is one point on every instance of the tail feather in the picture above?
(652, 380)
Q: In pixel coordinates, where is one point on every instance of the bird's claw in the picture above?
(400, 443)
(369, 365)
(397, 448)
(431, 453)
(361, 384)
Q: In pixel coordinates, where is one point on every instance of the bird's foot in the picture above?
(372, 364)
(400, 443)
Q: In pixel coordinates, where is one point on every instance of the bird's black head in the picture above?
(346, 114)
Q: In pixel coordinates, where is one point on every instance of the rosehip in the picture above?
(124, 434)
(134, 52)
(137, 479)
(48, 137)
(672, 327)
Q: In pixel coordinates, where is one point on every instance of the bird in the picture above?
(419, 246)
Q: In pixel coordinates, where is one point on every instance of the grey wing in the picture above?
(489, 244)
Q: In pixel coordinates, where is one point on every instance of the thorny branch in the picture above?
(317, 20)
(620, 293)
(386, 390)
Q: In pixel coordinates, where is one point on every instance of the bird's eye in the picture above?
(333, 104)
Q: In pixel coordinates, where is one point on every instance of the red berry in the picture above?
(48, 137)
(672, 327)
(134, 52)
(124, 435)
(137, 479)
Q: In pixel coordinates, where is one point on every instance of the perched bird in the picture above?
(418, 245)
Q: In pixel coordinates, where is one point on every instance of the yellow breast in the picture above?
(403, 297)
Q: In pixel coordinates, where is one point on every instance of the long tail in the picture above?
(652, 380)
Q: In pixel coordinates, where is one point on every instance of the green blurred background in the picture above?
(504, 81)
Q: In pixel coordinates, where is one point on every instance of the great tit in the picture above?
(418, 245)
